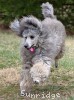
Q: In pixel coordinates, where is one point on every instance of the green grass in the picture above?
(9, 50)
(60, 81)
(68, 60)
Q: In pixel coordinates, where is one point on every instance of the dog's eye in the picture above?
(25, 37)
(32, 37)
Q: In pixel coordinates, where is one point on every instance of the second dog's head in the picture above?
(29, 28)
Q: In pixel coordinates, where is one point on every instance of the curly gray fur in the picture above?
(47, 10)
(50, 43)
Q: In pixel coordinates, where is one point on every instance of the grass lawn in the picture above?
(59, 86)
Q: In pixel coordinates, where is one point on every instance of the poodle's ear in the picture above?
(15, 26)
(29, 22)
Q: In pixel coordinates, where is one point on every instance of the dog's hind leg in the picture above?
(56, 63)
(60, 55)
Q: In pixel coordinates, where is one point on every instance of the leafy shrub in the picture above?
(10, 9)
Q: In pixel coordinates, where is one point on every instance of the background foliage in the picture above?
(10, 9)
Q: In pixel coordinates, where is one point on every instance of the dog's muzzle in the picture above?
(31, 49)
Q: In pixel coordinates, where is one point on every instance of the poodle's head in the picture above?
(29, 28)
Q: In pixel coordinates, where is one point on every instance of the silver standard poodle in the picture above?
(42, 46)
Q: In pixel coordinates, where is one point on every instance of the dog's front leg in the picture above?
(25, 80)
(41, 69)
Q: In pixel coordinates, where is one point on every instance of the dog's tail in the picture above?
(48, 10)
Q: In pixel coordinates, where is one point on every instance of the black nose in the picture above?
(26, 46)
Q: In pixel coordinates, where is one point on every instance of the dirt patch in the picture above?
(9, 76)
